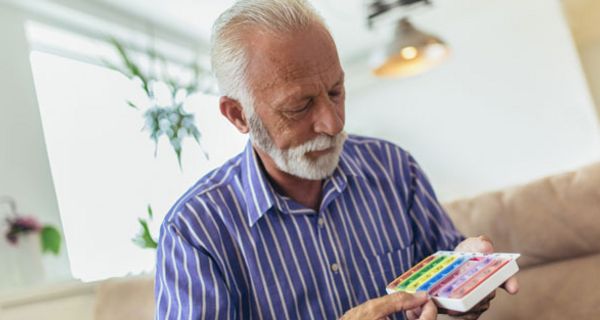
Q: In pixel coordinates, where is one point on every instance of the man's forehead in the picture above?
(295, 77)
(279, 59)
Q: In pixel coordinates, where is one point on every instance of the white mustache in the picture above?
(319, 143)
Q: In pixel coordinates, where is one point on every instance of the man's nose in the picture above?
(330, 117)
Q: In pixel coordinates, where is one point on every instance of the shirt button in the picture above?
(321, 222)
(335, 267)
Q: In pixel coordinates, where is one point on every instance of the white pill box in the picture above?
(457, 280)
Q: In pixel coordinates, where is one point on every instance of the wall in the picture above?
(590, 59)
(24, 170)
(583, 17)
(509, 106)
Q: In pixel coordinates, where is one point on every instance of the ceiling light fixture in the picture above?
(411, 51)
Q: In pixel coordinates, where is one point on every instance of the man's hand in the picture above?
(484, 245)
(380, 308)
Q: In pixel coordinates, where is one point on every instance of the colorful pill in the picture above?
(443, 273)
(478, 278)
(464, 276)
(450, 275)
(420, 272)
(453, 276)
(410, 272)
(430, 274)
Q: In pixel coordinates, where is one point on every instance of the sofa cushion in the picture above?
(560, 290)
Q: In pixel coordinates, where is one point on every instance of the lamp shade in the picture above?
(410, 53)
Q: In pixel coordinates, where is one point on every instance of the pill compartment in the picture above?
(457, 280)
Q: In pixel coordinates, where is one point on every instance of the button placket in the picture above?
(329, 247)
(334, 260)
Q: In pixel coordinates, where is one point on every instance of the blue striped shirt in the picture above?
(234, 248)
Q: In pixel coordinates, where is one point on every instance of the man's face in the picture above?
(298, 88)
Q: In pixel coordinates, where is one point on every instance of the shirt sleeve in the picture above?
(433, 228)
(188, 282)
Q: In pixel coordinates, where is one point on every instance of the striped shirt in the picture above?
(234, 248)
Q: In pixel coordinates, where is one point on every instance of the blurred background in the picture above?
(109, 114)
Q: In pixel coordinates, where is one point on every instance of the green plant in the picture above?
(170, 120)
(144, 238)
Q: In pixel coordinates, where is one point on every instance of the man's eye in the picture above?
(303, 107)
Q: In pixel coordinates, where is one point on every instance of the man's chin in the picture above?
(321, 168)
(313, 175)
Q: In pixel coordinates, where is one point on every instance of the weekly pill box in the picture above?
(457, 280)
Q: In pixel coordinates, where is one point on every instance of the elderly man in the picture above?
(307, 222)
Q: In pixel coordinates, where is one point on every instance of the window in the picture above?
(103, 165)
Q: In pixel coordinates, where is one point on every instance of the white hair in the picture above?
(228, 51)
(229, 66)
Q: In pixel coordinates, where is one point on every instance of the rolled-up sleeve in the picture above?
(433, 228)
(188, 282)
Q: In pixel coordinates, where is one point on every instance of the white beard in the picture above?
(294, 160)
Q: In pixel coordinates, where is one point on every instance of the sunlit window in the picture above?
(104, 169)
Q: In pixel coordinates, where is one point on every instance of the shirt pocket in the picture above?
(379, 270)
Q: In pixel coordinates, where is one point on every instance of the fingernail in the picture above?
(421, 294)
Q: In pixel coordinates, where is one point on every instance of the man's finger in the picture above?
(465, 316)
(411, 315)
(486, 238)
(481, 308)
(429, 311)
(481, 244)
(396, 302)
(511, 285)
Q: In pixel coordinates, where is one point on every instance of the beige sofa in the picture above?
(554, 223)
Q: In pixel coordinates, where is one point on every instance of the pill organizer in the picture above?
(457, 280)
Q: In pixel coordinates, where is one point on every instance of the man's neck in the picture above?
(305, 192)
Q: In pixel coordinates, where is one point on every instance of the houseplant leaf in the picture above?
(51, 240)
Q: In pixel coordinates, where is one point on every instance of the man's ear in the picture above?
(233, 111)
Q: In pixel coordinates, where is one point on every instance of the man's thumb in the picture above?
(397, 302)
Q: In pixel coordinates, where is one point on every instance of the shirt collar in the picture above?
(260, 195)
(347, 166)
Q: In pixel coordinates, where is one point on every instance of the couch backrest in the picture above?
(551, 219)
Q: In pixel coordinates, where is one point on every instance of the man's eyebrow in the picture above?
(285, 99)
(341, 80)
(294, 95)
